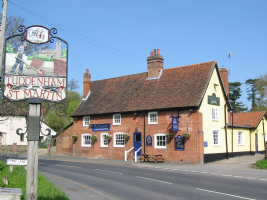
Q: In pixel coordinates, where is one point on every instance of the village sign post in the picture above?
(37, 78)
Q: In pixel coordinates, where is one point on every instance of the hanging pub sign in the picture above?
(179, 143)
(35, 65)
(175, 123)
(213, 100)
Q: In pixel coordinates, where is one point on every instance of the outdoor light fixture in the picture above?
(190, 110)
(136, 114)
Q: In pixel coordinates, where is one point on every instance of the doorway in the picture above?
(256, 144)
(137, 143)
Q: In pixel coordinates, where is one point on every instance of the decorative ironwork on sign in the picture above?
(31, 69)
(213, 100)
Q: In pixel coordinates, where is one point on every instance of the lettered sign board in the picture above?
(36, 67)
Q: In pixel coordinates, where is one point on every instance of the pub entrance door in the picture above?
(137, 143)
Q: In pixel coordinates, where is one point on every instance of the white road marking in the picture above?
(153, 180)
(67, 166)
(224, 194)
(108, 171)
(41, 163)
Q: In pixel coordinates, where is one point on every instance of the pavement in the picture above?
(238, 167)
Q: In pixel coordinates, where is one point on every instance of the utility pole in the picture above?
(2, 31)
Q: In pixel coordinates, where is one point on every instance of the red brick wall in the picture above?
(188, 122)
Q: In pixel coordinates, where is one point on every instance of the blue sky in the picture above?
(114, 37)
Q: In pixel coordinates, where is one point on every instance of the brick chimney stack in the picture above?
(86, 83)
(225, 79)
(154, 64)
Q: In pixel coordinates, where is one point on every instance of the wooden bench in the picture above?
(155, 158)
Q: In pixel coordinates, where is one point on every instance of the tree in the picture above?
(12, 24)
(73, 85)
(252, 92)
(235, 94)
(262, 90)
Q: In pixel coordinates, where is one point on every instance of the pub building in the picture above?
(181, 113)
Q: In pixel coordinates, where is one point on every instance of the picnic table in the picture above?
(151, 157)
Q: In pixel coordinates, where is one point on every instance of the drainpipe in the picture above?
(264, 136)
(225, 127)
(232, 133)
(144, 115)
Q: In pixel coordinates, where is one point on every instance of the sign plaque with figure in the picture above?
(35, 65)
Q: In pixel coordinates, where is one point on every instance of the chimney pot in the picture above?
(87, 71)
(151, 53)
(158, 53)
(154, 64)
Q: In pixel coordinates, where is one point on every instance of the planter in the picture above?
(186, 136)
(94, 139)
(74, 137)
(126, 136)
(169, 136)
(108, 137)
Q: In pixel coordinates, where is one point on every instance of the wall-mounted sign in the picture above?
(175, 123)
(179, 143)
(100, 127)
(148, 140)
(32, 70)
(213, 100)
(205, 144)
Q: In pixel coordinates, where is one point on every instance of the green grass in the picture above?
(17, 179)
(261, 164)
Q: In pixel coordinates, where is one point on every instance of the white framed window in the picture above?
(118, 140)
(117, 119)
(86, 121)
(160, 141)
(240, 138)
(263, 137)
(215, 114)
(216, 138)
(103, 140)
(152, 117)
(86, 140)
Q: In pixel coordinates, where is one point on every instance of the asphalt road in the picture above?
(108, 181)
(85, 178)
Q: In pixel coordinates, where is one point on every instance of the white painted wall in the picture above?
(9, 125)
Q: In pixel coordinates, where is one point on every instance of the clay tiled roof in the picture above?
(176, 88)
(251, 119)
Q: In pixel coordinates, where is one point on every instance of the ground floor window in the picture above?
(119, 140)
(86, 140)
(104, 141)
(160, 141)
(240, 138)
(216, 138)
